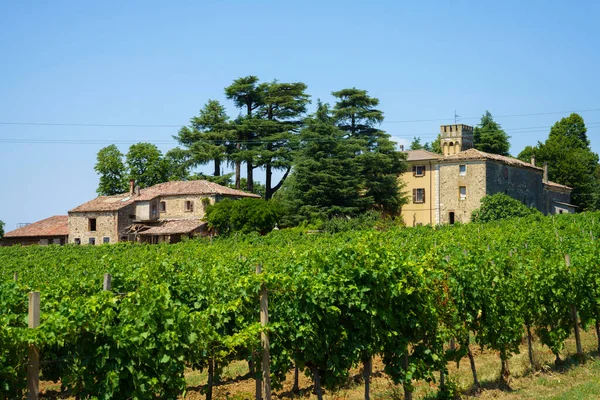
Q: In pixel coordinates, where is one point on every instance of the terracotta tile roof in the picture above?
(201, 187)
(557, 185)
(175, 188)
(172, 227)
(474, 154)
(57, 225)
(106, 203)
(421, 155)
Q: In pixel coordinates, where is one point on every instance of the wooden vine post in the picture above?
(107, 282)
(575, 317)
(16, 276)
(264, 338)
(33, 364)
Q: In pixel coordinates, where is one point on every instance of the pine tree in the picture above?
(279, 119)
(355, 114)
(207, 136)
(246, 94)
(489, 136)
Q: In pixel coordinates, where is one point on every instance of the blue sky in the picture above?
(157, 63)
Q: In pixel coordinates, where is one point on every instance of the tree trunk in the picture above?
(472, 361)
(296, 387)
(250, 175)
(557, 360)
(407, 389)
(237, 173)
(217, 171)
(211, 372)
(367, 370)
(576, 328)
(530, 347)
(317, 379)
(505, 371)
(268, 178)
(442, 380)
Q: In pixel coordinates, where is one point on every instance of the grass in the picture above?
(571, 380)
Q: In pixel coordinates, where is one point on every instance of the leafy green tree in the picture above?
(207, 136)
(416, 144)
(1, 229)
(570, 160)
(178, 164)
(501, 206)
(490, 137)
(244, 216)
(146, 165)
(355, 114)
(112, 171)
(326, 179)
(281, 116)
(247, 94)
(526, 154)
(436, 145)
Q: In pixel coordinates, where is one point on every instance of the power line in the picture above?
(94, 125)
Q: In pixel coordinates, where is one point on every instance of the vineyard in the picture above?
(417, 298)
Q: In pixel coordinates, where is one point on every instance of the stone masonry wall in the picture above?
(523, 184)
(106, 226)
(176, 206)
(450, 180)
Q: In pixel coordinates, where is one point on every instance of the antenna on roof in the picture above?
(456, 117)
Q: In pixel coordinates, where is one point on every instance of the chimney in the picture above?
(401, 147)
(533, 160)
(545, 179)
(131, 186)
(137, 190)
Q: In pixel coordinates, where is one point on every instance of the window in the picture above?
(189, 205)
(153, 208)
(163, 206)
(462, 170)
(462, 190)
(418, 195)
(106, 240)
(418, 170)
(92, 241)
(92, 224)
(77, 241)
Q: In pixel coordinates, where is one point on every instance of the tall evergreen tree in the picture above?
(326, 177)
(489, 137)
(207, 136)
(246, 94)
(112, 171)
(178, 164)
(280, 118)
(355, 114)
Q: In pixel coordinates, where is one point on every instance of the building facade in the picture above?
(162, 213)
(446, 189)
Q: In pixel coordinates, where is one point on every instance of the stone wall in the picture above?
(106, 226)
(175, 206)
(450, 181)
(523, 184)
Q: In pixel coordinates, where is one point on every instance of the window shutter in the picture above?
(414, 167)
(414, 195)
(423, 195)
(424, 170)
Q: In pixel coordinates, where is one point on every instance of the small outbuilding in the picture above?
(53, 230)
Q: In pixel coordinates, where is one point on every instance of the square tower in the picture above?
(455, 138)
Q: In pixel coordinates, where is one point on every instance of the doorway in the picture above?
(451, 217)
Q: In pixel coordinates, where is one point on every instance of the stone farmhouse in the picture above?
(160, 213)
(53, 230)
(445, 189)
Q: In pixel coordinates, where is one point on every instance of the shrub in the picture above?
(501, 206)
(245, 216)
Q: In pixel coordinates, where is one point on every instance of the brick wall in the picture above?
(523, 184)
(474, 180)
(175, 206)
(106, 226)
